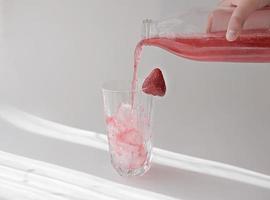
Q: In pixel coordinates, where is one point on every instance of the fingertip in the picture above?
(231, 35)
(238, 18)
(234, 27)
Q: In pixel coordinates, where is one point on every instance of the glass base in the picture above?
(133, 172)
(128, 163)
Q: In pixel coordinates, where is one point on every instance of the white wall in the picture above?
(58, 53)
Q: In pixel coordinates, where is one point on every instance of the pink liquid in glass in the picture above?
(129, 139)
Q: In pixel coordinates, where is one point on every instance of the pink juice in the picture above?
(248, 47)
(129, 139)
(129, 133)
(137, 57)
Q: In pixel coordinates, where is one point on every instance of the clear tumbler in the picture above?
(128, 118)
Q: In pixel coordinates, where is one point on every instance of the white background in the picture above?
(57, 54)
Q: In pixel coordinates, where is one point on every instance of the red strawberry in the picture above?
(154, 83)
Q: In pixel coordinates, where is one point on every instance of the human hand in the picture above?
(242, 11)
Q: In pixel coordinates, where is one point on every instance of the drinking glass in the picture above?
(128, 118)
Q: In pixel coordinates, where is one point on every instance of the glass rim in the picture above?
(121, 86)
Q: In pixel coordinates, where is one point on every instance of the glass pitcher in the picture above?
(199, 34)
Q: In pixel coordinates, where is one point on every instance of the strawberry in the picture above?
(154, 83)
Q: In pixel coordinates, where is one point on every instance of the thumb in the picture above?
(238, 18)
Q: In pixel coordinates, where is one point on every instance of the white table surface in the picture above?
(172, 175)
